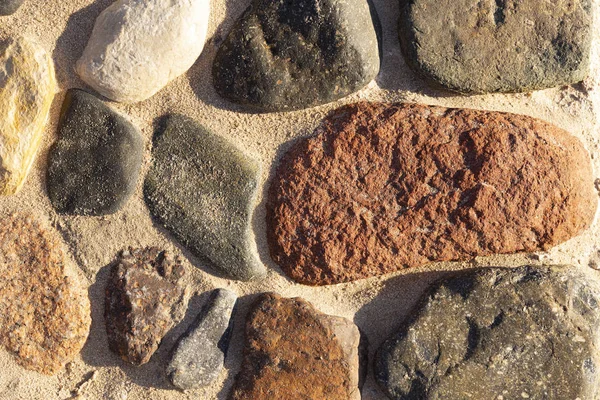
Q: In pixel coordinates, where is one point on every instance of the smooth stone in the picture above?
(286, 55)
(138, 47)
(144, 299)
(27, 88)
(45, 311)
(199, 356)
(294, 352)
(473, 46)
(498, 333)
(382, 187)
(8, 7)
(94, 165)
(202, 189)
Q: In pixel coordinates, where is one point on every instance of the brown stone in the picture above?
(388, 186)
(44, 312)
(294, 352)
(144, 299)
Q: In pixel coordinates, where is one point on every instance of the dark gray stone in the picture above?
(94, 165)
(498, 333)
(474, 46)
(8, 7)
(202, 189)
(199, 355)
(291, 54)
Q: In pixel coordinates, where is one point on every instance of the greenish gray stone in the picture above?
(202, 189)
(498, 333)
(8, 7)
(484, 46)
(290, 54)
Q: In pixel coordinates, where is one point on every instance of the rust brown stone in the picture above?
(294, 352)
(388, 186)
(44, 312)
(144, 299)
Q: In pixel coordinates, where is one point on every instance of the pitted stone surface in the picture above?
(383, 187)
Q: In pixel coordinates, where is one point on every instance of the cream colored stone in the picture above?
(27, 88)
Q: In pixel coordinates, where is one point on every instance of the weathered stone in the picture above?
(498, 333)
(27, 88)
(144, 299)
(199, 356)
(474, 46)
(137, 47)
(286, 55)
(8, 7)
(383, 187)
(44, 311)
(202, 189)
(94, 165)
(294, 352)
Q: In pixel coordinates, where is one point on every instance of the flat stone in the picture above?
(199, 355)
(8, 7)
(45, 311)
(202, 189)
(383, 187)
(473, 46)
(286, 55)
(144, 300)
(498, 333)
(94, 165)
(138, 47)
(27, 88)
(294, 352)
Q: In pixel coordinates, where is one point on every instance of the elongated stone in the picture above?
(382, 187)
(27, 88)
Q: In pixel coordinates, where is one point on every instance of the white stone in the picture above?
(138, 46)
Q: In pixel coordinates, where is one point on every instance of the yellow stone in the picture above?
(27, 88)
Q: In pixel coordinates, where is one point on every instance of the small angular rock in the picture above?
(44, 310)
(95, 163)
(286, 55)
(144, 299)
(202, 189)
(388, 186)
(199, 355)
(8, 7)
(529, 332)
(27, 88)
(294, 352)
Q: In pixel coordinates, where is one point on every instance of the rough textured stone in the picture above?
(137, 47)
(27, 88)
(294, 352)
(199, 356)
(144, 299)
(202, 189)
(498, 334)
(382, 187)
(286, 55)
(94, 165)
(474, 46)
(44, 311)
(8, 7)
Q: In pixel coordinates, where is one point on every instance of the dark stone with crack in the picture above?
(94, 165)
(144, 300)
(290, 54)
(498, 333)
(8, 7)
(199, 356)
(474, 46)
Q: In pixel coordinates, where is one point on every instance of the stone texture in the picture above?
(45, 312)
(498, 334)
(287, 55)
(27, 88)
(383, 187)
(293, 352)
(144, 299)
(474, 46)
(202, 189)
(199, 356)
(8, 7)
(94, 165)
(137, 47)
